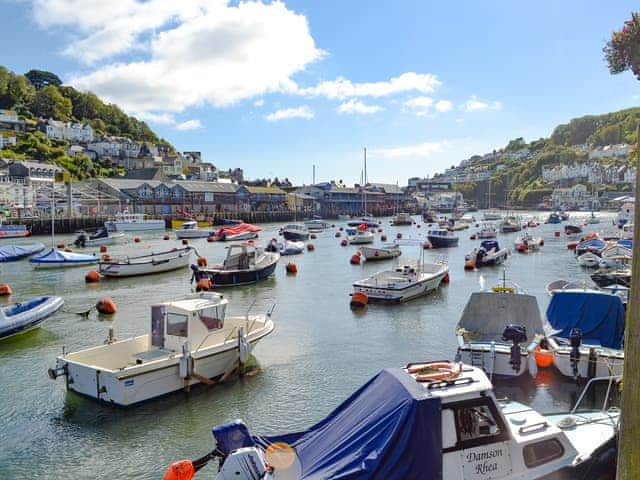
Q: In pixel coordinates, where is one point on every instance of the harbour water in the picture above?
(320, 352)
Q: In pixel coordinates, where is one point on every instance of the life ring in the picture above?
(437, 371)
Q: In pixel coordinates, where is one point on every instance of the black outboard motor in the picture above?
(575, 340)
(80, 241)
(516, 334)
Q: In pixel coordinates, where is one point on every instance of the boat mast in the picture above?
(364, 183)
(53, 213)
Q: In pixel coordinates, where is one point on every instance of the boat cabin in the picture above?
(189, 225)
(191, 319)
(241, 257)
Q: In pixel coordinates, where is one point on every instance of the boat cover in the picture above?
(237, 229)
(489, 244)
(388, 429)
(8, 253)
(487, 314)
(60, 256)
(623, 242)
(600, 316)
(594, 243)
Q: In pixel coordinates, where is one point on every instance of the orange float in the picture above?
(5, 289)
(291, 268)
(338, 234)
(137, 239)
(473, 236)
(359, 299)
(202, 262)
(181, 470)
(313, 236)
(544, 357)
(469, 265)
(103, 249)
(60, 245)
(446, 278)
(398, 235)
(211, 238)
(311, 247)
(573, 245)
(426, 245)
(185, 241)
(355, 260)
(557, 234)
(344, 243)
(166, 237)
(204, 284)
(383, 238)
(92, 277)
(106, 306)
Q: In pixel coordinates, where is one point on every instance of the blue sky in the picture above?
(277, 87)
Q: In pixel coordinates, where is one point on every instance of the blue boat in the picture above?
(442, 238)
(295, 232)
(594, 245)
(11, 253)
(231, 221)
(60, 259)
(554, 218)
(22, 317)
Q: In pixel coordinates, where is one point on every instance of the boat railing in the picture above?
(610, 379)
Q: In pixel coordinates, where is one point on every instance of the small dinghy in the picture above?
(498, 331)
(61, 259)
(442, 238)
(606, 278)
(295, 232)
(190, 340)
(591, 243)
(589, 260)
(390, 250)
(572, 229)
(146, 264)
(588, 333)
(22, 317)
(11, 253)
(360, 235)
(528, 243)
(488, 254)
(428, 421)
(101, 237)
(286, 248)
(190, 229)
(13, 231)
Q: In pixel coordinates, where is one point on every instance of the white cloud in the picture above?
(341, 88)
(443, 105)
(158, 118)
(474, 104)
(421, 150)
(258, 103)
(287, 113)
(189, 125)
(355, 107)
(419, 102)
(218, 54)
(422, 106)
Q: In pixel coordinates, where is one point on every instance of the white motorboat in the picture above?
(357, 236)
(389, 250)
(21, 317)
(189, 341)
(511, 224)
(295, 232)
(55, 258)
(498, 331)
(589, 260)
(528, 243)
(190, 229)
(488, 254)
(615, 262)
(285, 248)
(429, 421)
(492, 215)
(316, 225)
(133, 222)
(403, 283)
(368, 221)
(101, 237)
(487, 231)
(146, 264)
(442, 238)
(588, 331)
(560, 285)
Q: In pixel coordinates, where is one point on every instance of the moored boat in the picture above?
(189, 341)
(572, 229)
(62, 259)
(442, 238)
(243, 265)
(511, 224)
(22, 317)
(488, 254)
(487, 231)
(133, 222)
(606, 278)
(390, 250)
(368, 221)
(528, 243)
(191, 229)
(146, 264)
(13, 231)
(589, 260)
(360, 235)
(295, 232)
(13, 252)
(288, 247)
(316, 225)
(102, 237)
(554, 217)
(402, 219)
(241, 232)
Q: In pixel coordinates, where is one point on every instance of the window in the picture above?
(539, 453)
(476, 422)
(177, 324)
(213, 317)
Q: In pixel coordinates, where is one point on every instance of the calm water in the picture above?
(319, 353)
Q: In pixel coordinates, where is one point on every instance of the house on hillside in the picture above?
(9, 121)
(71, 131)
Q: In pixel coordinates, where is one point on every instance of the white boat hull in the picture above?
(372, 253)
(141, 226)
(394, 295)
(241, 237)
(495, 360)
(112, 239)
(193, 233)
(145, 381)
(157, 264)
(361, 239)
(608, 362)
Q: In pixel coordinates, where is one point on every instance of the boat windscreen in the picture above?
(487, 314)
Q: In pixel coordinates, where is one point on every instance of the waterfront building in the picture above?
(574, 198)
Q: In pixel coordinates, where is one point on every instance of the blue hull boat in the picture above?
(11, 253)
(22, 317)
(61, 259)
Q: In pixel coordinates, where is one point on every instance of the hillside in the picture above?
(516, 169)
(41, 95)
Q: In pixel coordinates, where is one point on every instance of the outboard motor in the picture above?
(80, 241)
(516, 334)
(575, 340)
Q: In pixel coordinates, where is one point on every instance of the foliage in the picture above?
(622, 51)
(48, 102)
(598, 130)
(516, 144)
(41, 78)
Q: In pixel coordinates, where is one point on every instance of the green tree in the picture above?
(41, 78)
(19, 93)
(49, 103)
(622, 51)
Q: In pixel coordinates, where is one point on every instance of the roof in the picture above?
(29, 164)
(154, 173)
(273, 190)
(128, 183)
(214, 187)
(387, 187)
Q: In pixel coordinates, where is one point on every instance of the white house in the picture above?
(74, 132)
(576, 197)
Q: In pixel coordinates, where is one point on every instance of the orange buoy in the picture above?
(338, 234)
(137, 239)
(344, 243)
(291, 268)
(311, 247)
(60, 245)
(544, 357)
(182, 470)
(92, 277)
(355, 259)
(313, 236)
(5, 289)
(250, 242)
(473, 236)
(573, 245)
(106, 306)
(446, 278)
(211, 238)
(166, 237)
(426, 245)
(383, 238)
(521, 248)
(185, 241)
(469, 265)
(204, 284)
(202, 262)
(359, 299)
(557, 234)
(398, 235)
(103, 249)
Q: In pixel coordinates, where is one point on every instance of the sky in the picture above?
(277, 87)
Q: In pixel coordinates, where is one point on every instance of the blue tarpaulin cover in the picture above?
(489, 244)
(600, 316)
(388, 429)
(9, 253)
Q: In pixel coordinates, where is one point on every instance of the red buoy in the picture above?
(291, 268)
(185, 241)
(446, 279)
(5, 289)
(182, 470)
(202, 262)
(106, 306)
(473, 236)
(426, 245)
(92, 277)
(313, 236)
(166, 237)
(383, 238)
(469, 265)
(137, 239)
(557, 234)
(355, 259)
(103, 249)
(379, 230)
(311, 247)
(60, 245)
(344, 243)
(338, 234)
(211, 238)
(359, 299)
